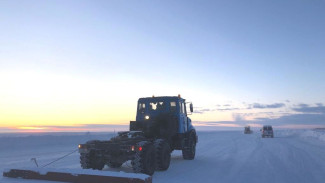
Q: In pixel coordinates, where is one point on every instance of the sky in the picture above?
(81, 65)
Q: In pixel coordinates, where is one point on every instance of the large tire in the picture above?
(190, 147)
(144, 160)
(114, 164)
(85, 160)
(162, 154)
(89, 160)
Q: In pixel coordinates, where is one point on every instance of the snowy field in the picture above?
(222, 156)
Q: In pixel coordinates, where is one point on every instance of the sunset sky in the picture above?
(82, 65)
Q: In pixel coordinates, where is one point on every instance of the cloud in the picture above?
(201, 111)
(303, 105)
(298, 116)
(225, 107)
(289, 121)
(314, 119)
(303, 115)
(217, 123)
(265, 106)
(238, 117)
(304, 108)
(228, 109)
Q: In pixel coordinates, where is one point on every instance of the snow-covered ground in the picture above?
(222, 156)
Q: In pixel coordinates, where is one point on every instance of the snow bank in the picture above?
(316, 133)
(287, 133)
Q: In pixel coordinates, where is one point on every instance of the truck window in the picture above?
(160, 106)
(157, 106)
(172, 106)
(142, 107)
(153, 106)
(180, 107)
(183, 108)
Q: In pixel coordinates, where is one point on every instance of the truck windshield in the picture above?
(267, 128)
(157, 106)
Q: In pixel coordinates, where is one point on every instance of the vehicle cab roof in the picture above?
(161, 98)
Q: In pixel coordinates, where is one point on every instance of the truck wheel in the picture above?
(89, 160)
(84, 161)
(190, 147)
(114, 164)
(144, 158)
(162, 154)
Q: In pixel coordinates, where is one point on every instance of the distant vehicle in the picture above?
(267, 131)
(248, 130)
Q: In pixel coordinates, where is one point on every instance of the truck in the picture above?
(247, 130)
(267, 131)
(162, 125)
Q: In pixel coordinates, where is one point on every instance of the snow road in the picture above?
(222, 156)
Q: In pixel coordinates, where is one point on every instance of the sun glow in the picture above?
(30, 128)
(37, 98)
(41, 98)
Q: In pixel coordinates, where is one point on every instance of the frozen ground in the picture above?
(224, 156)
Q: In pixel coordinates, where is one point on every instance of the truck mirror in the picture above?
(191, 107)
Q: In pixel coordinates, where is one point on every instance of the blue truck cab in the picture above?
(151, 107)
(165, 117)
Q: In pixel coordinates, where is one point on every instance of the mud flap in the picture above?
(76, 177)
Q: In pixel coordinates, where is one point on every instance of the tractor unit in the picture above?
(162, 125)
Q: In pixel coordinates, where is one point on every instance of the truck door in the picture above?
(183, 117)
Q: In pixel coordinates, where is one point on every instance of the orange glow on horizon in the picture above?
(31, 128)
(67, 128)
